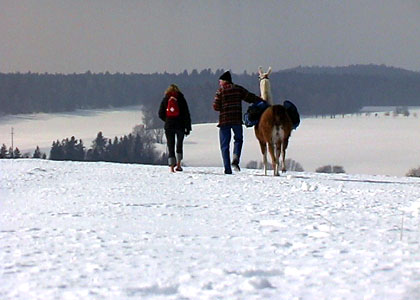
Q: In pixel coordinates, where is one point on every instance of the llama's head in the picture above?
(263, 75)
(265, 88)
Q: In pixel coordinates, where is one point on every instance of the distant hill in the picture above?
(364, 70)
(315, 90)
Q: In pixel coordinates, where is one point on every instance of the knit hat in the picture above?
(226, 77)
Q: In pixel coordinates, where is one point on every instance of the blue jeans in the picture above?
(225, 135)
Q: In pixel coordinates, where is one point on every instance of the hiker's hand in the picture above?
(187, 132)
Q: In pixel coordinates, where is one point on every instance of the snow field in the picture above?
(375, 145)
(72, 230)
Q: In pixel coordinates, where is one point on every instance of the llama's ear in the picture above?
(260, 70)
(269, 71)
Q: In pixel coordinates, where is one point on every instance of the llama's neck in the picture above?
(265, 90)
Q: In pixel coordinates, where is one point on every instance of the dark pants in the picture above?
(170, 141)
(225, 135)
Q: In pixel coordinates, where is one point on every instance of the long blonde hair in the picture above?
(173, 88)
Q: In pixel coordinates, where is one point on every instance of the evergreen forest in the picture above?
(314, 90)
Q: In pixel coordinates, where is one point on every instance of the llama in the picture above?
(274, 127)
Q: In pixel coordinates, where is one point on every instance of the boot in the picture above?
(172, 162)
(235, 164)
(178, 166)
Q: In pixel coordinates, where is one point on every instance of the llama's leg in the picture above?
(283, 155)
(263, 147)
(273, 159)
(278, 152)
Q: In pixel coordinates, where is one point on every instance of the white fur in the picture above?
(265, 87)
(278, 134)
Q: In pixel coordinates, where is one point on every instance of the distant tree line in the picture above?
(315, 90)
(330, 169)
(131, 148)
(414, 172)
(15, 153)
(136, 147)
(291, 165)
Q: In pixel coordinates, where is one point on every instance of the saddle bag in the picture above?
(254, 112)
(293, 113)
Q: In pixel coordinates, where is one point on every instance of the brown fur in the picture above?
(274, 118)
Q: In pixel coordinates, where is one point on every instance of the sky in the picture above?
(61, 36)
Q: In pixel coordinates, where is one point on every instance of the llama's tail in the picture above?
(280, 115)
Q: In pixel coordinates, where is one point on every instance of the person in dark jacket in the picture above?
(228, 102)
(176, 127)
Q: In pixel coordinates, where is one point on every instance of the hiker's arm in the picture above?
(217, 101)
(187, 118)
(162, 111)
(250, 97)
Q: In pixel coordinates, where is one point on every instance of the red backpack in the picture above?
(172, 110)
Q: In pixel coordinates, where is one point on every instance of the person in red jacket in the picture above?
(228, 102)
(174, 112)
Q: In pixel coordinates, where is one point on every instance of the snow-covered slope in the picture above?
(375, 145)
(73, 230)
(361, 145)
